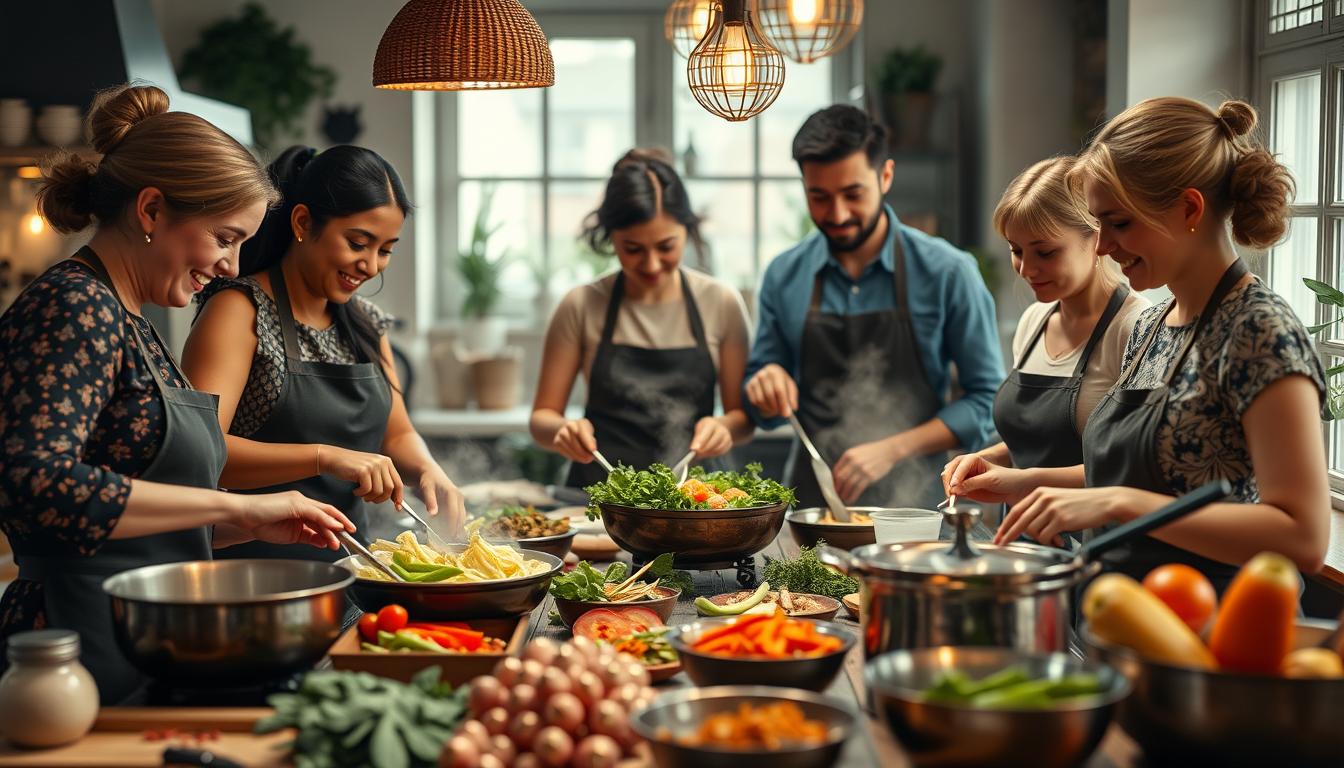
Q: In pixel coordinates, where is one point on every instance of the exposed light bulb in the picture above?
(700, 19)
(803, 13)
(736, 61)
(35, 224)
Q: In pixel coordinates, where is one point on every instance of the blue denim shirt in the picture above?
(952, 311)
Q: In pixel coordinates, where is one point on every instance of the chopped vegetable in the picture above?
(518, 523)
(1011, 688)
(1255, 624)
(587, 584)
(707, 608)
(807, 574)
(421, 563)
(602, 624)
(775, 636)
(773, 726)
(650, 647)
(388, 630)
(657, 488)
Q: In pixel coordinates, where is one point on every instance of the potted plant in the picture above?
(1331, 297)
(496, 370)
(255, 63)
(905, 78)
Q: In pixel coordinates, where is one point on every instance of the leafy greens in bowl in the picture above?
(657, 488)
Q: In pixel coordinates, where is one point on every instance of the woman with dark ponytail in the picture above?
(308, 391)
(654, 341)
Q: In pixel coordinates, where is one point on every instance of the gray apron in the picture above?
(192, 454)
(644, 403)
(320, 403)
(1120, 447)
(862, 379)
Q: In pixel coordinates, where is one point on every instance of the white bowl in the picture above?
(59, 130)
(896, 526)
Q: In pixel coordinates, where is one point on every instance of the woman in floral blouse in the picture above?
(1219, 382)
(109, 458)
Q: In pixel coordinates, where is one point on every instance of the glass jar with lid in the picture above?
(47, 698)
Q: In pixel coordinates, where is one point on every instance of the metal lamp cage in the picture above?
(807, 30)
(735, 72)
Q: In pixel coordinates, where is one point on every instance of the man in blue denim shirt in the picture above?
(859, 327)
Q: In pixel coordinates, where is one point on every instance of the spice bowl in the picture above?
(813, 673)
(676, 715)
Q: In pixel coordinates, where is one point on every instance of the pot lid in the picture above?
(963, 557)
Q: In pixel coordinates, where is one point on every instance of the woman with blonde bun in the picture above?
(1219, 382)
(111, 459)
(1067, 347)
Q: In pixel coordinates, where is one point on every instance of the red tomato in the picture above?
(391, 618)
(368, 627)
(642, 619)
(1185, 591)
(603, 624)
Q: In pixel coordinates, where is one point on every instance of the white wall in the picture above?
(1200, 49)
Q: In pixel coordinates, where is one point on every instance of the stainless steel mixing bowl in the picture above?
(227, 622)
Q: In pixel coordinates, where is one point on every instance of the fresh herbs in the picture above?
(656, 488)
(807, 574)
(651, 647)
(356, 719)
(586, 583)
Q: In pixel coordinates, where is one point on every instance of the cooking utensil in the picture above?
(227, 622)
(429, 530)
(813, 673)
(825, 480)
(662, 605)
(185, 756)
(701, 539)
(603, 461)
(683, 468)
(1017, 595)
(942, 734)
(352, 544)
(1184, 716)
(439, 601)
(807, 528)
(679, 713)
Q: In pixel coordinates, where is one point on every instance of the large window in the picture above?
(539, 160)
(1301, 89)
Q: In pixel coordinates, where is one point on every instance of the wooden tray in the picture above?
(118, 739)
(457, 668)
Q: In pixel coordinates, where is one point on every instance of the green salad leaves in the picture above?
(656, 488)
(588, 584)
(806, 574)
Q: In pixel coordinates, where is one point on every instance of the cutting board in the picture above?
(119, 739)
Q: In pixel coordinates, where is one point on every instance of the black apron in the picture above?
(862, 379)
(192, 454)
(1037, 415)
(644, 403)
(1120, 447)
(321, 403)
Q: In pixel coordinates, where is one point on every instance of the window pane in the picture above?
(728, 212)
(1339, 138)
(720, 148)
(499, 132)
(572, 262)
(515, 216)
(1291, 14)
(1292, 260)
(784, 218)
(1296, 133)
(807, 88)
(591, 124)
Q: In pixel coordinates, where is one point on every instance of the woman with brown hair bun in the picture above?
(1219, 382)
(654, 341)
(110, 458)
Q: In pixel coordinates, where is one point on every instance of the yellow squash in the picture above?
(1120, 611)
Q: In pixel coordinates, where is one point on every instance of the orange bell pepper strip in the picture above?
(731, 628)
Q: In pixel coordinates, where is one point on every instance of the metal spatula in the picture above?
(823, 472)
(352, 544)
(603, 461)
(683, 468)
(406, 508)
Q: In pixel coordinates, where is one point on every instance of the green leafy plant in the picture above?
(1331, 297)
(255, 63)
(806, 574)
(479, 270)
(908, 70)
(656, 488)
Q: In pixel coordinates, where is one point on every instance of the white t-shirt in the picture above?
(1104, 366)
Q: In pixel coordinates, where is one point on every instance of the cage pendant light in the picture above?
(735, 72)
(807, 30)
(458, 45)
(685, 24)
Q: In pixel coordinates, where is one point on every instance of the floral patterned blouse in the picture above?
(1253, 340)
(79, 413)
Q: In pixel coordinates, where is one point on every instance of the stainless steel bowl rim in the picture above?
(464, 586)
(727, 513)
(839, 732)
(676, 593)
(535, 539)
(112, 583)
(801, 516)
(999, 564)
(1119, 689)
(675, 638)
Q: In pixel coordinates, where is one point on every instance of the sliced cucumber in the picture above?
(707, 608)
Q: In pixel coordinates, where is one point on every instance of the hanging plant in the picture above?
(253, 62)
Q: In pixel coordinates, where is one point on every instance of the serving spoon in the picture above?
(683, 468)
(825, 480)
(603, 461)
(351, 543)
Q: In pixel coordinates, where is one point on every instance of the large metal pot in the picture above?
(1021, 596)
(227, 622)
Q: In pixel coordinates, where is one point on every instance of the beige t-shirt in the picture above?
(1102, 369)
(579, 317)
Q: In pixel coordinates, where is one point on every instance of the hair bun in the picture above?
(117, 110)
(1261, 190)
(65, 196)
(644, 156)
(1238, 116)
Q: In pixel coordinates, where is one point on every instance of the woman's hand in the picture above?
(1046, 513)
(972, 476)
(291, 518)
(711, 438)
(441, 495)
(576, 441)
(375, 478)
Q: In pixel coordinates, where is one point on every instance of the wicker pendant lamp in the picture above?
(735, 72)
(685, 23)
(457, 45)
(807, 30)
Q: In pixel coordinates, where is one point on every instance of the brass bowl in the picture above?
(699, 537)
(807, 529)
(663, 605)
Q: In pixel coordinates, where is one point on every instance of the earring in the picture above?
(1192, 229)
(148, 239)
(299, 238)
